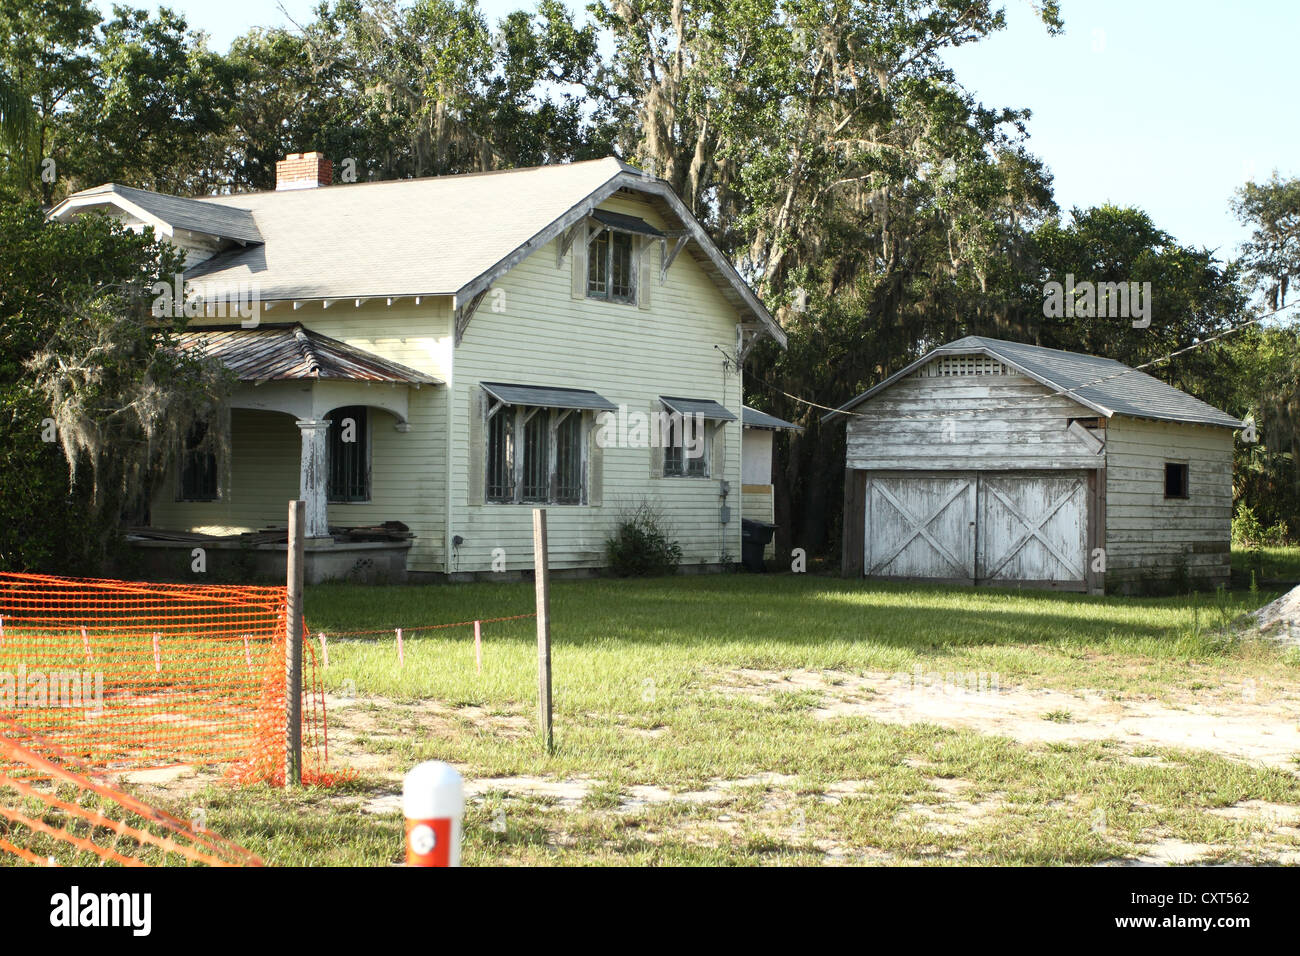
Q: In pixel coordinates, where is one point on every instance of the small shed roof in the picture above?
(1104, 385)
(287, 352)
(753, 418)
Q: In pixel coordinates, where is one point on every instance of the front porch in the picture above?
(310, 419)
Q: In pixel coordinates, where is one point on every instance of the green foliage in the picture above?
(82, 371)
(1249, 533)
(44, 49)
(152, 74)
(1260, 369)
(1272, 254)
(1246, 530)
(642, 544)
(16, 121)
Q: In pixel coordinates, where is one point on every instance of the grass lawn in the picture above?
(1269, 564)
(746, 719)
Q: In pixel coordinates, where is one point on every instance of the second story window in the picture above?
(611, 266)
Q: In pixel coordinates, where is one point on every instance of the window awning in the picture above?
(704, 407)
(617, 220)
(546, 396)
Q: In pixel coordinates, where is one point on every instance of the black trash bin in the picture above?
(754, 537)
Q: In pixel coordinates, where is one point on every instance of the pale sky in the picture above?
(1169, 105)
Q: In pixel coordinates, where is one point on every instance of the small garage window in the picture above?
(1175, 479)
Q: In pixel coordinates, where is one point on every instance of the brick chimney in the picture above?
(303, 171)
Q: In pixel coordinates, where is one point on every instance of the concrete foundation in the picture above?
(231, 560)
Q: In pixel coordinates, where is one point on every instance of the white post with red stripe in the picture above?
(433, 802)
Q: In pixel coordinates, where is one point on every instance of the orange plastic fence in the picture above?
(131, 675)
(53, 812)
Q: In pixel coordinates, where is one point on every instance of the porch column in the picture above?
(313, 479)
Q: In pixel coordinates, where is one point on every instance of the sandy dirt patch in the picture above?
(1243, 725)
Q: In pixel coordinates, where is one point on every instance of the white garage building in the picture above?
(992, 462)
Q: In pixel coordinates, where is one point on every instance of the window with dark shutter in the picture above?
(501, 455)
(349, 455)
(198, 466)
(568, 460)
(537, 454)
(687, 435)
(551, 467)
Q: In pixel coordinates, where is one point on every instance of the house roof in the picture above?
(271, 353)
(196, 215)
(753, 418)
(441, 235)
(1101, 384)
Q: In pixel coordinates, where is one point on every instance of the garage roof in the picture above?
(1104, 385)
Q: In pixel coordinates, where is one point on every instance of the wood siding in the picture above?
(926, 423)
(532, 328)
(1149, 535)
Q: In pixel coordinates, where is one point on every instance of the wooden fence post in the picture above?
(541, 575)
(293, 647)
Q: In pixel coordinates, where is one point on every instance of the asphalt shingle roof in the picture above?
(441, 235)
(397, 237)
(1107, 386)
(196, 215)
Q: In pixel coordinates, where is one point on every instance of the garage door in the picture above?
(980, 528)
(1033, 529)
(921, 526)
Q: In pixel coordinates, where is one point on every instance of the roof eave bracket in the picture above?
(670, 255)
(748, 335)
(566, 242)
(466, 312)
